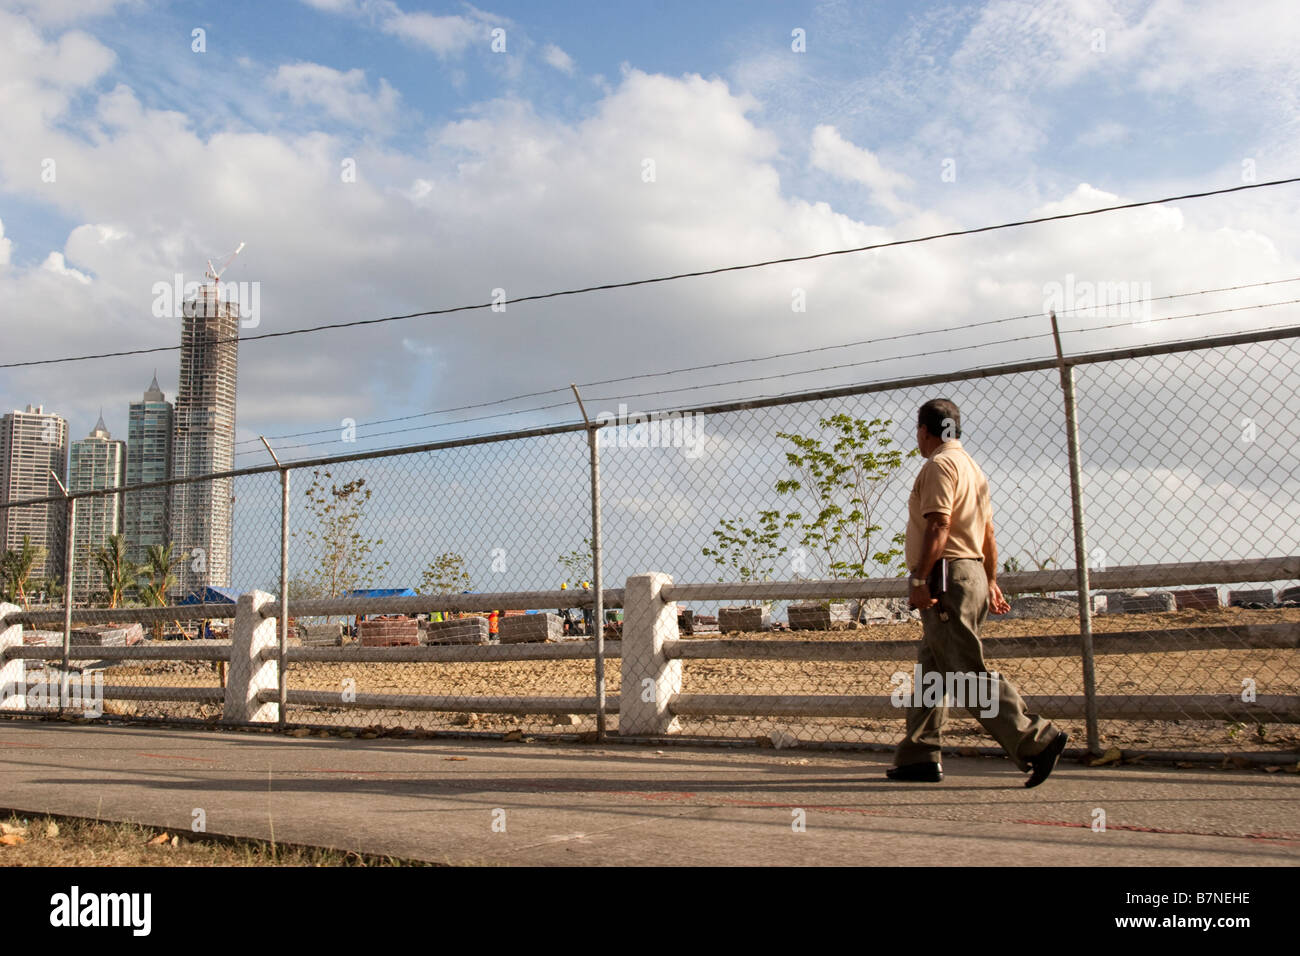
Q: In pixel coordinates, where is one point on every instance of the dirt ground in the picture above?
(69, 841)
(1275, 672)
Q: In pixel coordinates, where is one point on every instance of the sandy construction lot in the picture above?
(1275, 672)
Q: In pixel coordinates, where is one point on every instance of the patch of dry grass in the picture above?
(40, 840)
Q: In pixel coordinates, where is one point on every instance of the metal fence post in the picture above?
(598, 611)
(67, 582)
(1080, 548)
(282, 652)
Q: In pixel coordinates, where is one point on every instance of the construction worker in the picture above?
(494, 621)
(588, 613)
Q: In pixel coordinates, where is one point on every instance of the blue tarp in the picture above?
(212, 596)
(381, 592)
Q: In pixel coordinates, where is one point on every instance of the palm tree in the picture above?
(16, 568)
(119, 572)
(154, 579)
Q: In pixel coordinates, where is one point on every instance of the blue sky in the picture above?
(526, 170)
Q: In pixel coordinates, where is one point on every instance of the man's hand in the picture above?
(920, 597)
(997, 603)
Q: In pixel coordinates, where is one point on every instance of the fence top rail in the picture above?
(424, 603)
(1064, 579)
(793, 398)
(121, 615)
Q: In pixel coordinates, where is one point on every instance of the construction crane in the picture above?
(215, 274)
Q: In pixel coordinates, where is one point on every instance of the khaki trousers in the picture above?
(953, 647)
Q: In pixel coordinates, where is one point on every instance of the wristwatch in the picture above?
(916, 582)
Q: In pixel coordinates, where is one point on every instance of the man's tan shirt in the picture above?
(949, 483)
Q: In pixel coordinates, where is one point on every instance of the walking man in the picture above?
(949, 516)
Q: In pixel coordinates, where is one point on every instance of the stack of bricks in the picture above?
(465, 630)
(744, 619)
(1197, 599)
(530, 629)
(389, 632)
(815, 617)
(1151, 603)
(1257, 596)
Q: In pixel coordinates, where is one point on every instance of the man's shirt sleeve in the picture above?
(936, 488)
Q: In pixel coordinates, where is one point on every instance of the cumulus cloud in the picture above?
(446, 35)
(341, 95)
(507, 197)
(55, 263)
(558, 58)
(837, 156)
(61, 12)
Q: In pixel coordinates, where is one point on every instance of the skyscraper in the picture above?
(148, 459)
(203, 441)
(97, 462)
(32, 444)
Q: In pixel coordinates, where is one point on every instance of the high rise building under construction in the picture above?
(203, 441)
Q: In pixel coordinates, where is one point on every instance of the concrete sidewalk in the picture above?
(478, 802)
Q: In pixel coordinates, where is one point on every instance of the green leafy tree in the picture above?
(747, 552)
(578, 563)
(301, 589)
(49, 589)
(446, 574)
(16, 567)
(155, 579)
(342, 557)
(119, 572)
(841, 479)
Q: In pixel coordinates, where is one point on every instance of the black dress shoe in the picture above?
(925, 772)
(1042, 764)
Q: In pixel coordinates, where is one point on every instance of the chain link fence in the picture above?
(1186, 456)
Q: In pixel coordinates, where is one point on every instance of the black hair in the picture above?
(941, 418)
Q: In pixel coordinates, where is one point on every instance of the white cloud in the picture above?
(55, 263)
(5, 246)
(558, 58)
(344, 96)
(837, 156)
(1105, 133)
(446, 35)
(505, 197)
(59, 12)
(443, 35)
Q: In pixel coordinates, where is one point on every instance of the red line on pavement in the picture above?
(344, 770)
(1285, 837)
(14, 743)
(176, 757)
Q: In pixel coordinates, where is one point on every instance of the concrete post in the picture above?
(250, 672)
(649, 679)
(13, 673)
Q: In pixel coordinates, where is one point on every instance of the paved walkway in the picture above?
(477, 802)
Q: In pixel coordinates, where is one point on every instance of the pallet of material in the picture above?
(389, 632)
(1198, 599)
(1262, 597)
(321, 635)
(745, 619)
(816, 617)
(107, 635)
(530, 629)
(465, 630)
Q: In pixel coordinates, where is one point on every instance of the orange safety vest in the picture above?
(493, 618)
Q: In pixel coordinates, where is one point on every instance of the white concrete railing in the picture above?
(650, 650)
